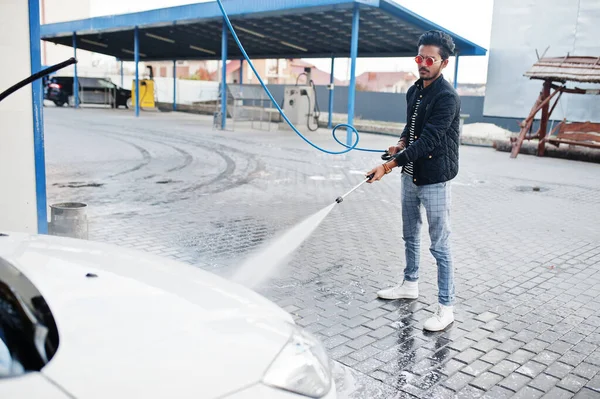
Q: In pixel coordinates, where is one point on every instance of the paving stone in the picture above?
(458, 381)
(377, 323)
(572, 383)
(494, 356)
(594, 384)
(559, 393)
(528, 392)
(547, 357)
(536, 346)
(560, 347)
(573, 358)
(586, 370)
(498, 392)
(461, 344)
(476, 368)
(486, 381)
(514, 381)
(470, 392)
(505, 368)
(531, 369)
(586, 393)
(360, 342)
(365, 353)
(521, 356)
(559, 369)
(544, 382)
(439, 392)
(510, 346)
(451, 367)
(468, 355)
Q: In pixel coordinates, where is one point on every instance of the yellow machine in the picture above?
(146, 90)
(146, 93)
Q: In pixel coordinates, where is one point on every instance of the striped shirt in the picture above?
(408, 168)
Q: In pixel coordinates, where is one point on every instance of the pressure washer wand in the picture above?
(340, 199)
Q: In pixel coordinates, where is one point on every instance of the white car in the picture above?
(80, 319)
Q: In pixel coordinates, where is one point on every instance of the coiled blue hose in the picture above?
(348, 148)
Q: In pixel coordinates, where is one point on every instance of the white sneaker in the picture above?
(441, 319)
(406, 290)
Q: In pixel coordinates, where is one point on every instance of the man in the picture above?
(427, 152)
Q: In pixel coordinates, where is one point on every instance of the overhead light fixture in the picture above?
(202, 49)
(131, 52)
(94, 43)
(164, 39)
(293, 46)
(249, 31)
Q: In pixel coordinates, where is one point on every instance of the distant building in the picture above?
(276, 71)
(471, 89)
(390, 82)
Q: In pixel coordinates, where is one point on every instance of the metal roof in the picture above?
(266, 28)
(569, 68)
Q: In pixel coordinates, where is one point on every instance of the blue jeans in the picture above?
(435, 198)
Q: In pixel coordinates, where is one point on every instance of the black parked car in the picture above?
(59, 89)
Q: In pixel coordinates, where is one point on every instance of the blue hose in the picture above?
(348, 148)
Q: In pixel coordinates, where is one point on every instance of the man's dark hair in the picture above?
(440, 39)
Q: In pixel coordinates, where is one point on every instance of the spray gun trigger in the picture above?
(369, 177)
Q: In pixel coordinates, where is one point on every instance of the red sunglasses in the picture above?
(429, 61)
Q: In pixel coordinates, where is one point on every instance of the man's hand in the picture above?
(378, 172)
(397, 148)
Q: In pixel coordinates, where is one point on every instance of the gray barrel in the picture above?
(69, 219)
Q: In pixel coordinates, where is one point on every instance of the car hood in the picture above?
(134, 325)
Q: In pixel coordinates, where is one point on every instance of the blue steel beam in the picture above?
(248, 9)
(352, 88)
(329, 120)
(242, 71)
(174, 85)
(121, 73)
(456, 70)
(403, 13)
(75, 76)
(38, 120)
(136, 51)
(224, 75)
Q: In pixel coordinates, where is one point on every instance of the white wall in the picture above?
(18, 210)
(518, 29)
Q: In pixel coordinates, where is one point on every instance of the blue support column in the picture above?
(136, 55)
(75, 77)
(38, 121)
(174, 85)
(329, 123)
(456, 71)
(242, 71)
(121, 73)
(353, 55)
(224, 76)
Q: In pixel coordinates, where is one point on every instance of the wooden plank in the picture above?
(587, 127)
(570, 142)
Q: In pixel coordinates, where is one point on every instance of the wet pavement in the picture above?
(525, 240)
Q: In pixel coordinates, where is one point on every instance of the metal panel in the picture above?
(567, 26)
(268, 29)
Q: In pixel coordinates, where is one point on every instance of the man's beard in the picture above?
(430, 77)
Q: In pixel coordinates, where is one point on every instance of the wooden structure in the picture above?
(553, 71)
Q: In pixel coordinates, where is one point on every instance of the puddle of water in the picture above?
(260, 266)
(317, 177)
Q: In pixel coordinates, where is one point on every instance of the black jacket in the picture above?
(434, 152)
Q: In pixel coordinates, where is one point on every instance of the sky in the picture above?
(455, 16)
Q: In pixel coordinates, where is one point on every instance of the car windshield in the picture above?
(106, 84)
(28, 333)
